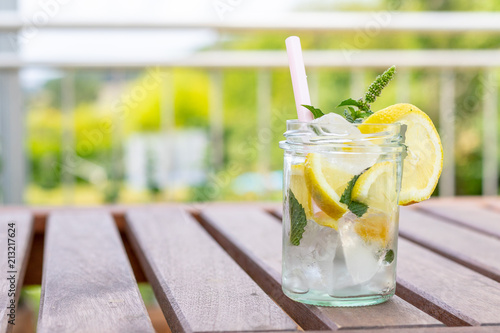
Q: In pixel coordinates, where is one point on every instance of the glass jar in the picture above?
(340, 212)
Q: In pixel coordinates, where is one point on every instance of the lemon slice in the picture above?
(374, 227)
(299, 188)
(376, 187)
(323, 219)
(424, 162)
(326, 183)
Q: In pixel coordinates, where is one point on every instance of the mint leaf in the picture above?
(362, 105)
(316, 112)
(356, 207)
(349, 115)
(355, 116)
(358, 110)
(298, 219)
(346, 196)
(389, 257)
(349, 101)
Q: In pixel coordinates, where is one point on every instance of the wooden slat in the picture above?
(253, 237)
(87, 283)
(199, 287)
(493, 204)
(484, 329)
(478, 218)
(472, 249)
(22, 241)
(447, 290)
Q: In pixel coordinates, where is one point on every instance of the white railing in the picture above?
(369, 22)
(265, 61)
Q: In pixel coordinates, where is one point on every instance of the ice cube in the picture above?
(361, 258)
(355, 163)
(332, 124)
(295, 281)
(383, 281)
(319, 241)
(341, 278)
(313, 258)
(297, 159)
(335, 124)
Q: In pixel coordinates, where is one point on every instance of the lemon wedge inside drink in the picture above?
(376, 187)
(299, 188)
(424, 161)
(374, 227)
(326, 183)
(323, 219)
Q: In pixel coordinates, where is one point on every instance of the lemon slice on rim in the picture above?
(424, 161)
(326, 183)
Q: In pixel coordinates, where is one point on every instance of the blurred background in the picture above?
(155, 101)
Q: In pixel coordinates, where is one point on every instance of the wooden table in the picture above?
(216, 268)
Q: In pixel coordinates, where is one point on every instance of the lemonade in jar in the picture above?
(344, 180)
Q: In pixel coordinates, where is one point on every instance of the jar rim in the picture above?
(310, 135)
(297, 122)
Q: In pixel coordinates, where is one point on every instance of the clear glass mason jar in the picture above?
(340, 212)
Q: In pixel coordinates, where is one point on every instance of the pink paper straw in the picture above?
(299, 78)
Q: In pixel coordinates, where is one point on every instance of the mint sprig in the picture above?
(298, 219)
(356, 207)
(363, 104)
(358, 110)
(350, 101)
(355, 116)
(375, 89)
(316, 112)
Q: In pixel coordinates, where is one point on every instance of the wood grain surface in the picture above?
(199, 287)
(468, 247)
(483, 329)
(493, 203)
(451, 292)
(87, 283)
(253, 237)
(22, 241)
(478, 218)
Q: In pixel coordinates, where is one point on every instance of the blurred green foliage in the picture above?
(101, 128)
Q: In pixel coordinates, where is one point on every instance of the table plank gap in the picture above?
(253, 238)
(88, 283)
(277, 213)
(477, 218)
(416, 299)
(412, 296)
(197, 284)
(433, 282)
(464, 246)
(11, 283)
(308, 317)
